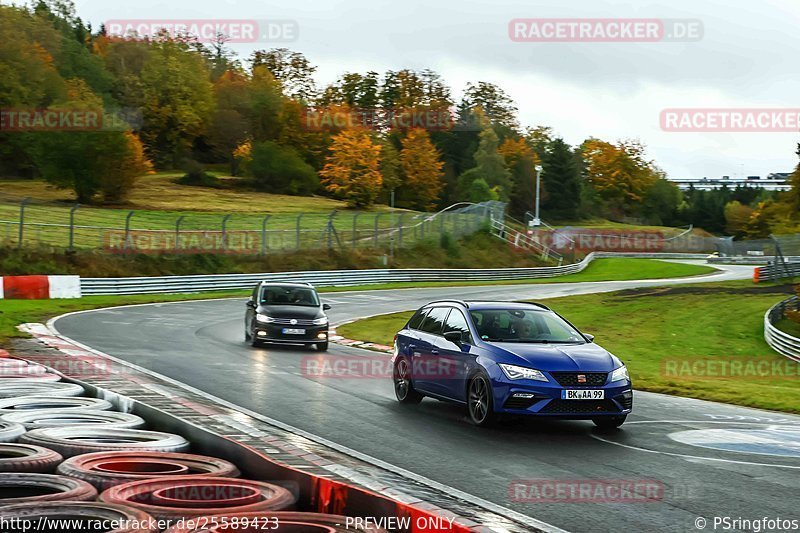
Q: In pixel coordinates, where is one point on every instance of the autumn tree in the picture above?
(490, 166)
(292, 69)
(620, 173)
(521, 161)
(352, 171)
(498, 107)
(422, 171)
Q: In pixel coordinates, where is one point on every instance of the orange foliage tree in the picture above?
(352, 170)
(422, 169)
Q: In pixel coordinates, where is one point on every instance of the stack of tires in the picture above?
(67, 457)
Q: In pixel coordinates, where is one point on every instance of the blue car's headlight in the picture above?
(264, 318)
(520, 372)
(320, 321)
(620, 374)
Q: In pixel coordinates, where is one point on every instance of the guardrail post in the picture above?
(22, 205)
(297, 242)
(178, 232)
(355, 228)
(330, 229)
(377, 218)
(264, 235)
(72, 227)
(400, 230)
(225, 220)
(128, 229)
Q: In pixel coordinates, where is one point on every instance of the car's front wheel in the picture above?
(610, 422)
(322, 346)
(480, 403)
(403, 388)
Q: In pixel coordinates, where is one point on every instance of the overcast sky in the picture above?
(746, 59)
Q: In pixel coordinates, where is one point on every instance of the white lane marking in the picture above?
(688, 456)
(469, 498)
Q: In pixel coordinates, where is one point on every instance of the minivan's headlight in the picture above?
(320, 321)
(620, 374)
(520, 372)
(264, 318)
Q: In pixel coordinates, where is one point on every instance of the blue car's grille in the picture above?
(575, 407)
(520, 403)
(573, 379)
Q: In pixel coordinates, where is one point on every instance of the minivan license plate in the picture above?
(293, 331)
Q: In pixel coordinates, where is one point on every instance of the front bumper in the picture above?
(276, 333)
(539, 398)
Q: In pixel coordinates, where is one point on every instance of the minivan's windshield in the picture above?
(524, 326)
(289, 296)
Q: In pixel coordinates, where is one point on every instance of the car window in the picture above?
(416, 320)
(456, 322)
(434, 320)
(280, 295)
(517, 325)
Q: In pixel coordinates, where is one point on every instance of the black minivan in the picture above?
(286, 313)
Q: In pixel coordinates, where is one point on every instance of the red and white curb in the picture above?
(39, 287)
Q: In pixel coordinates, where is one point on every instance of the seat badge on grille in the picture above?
(581, 378)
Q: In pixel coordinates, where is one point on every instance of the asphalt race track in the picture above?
(710, 459)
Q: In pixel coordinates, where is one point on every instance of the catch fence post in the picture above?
(264, 235)
(22, 205)
(72, 227)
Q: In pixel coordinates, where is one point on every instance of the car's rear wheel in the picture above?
(480, 403)
(610, 422)
(322, 346)
(403, 388)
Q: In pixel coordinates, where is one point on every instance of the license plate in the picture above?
(293, 331)
(582, 394)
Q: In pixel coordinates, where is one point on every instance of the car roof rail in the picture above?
(537, 304)
(450, 300)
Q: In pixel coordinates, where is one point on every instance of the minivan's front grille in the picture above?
(297, 321)
(573, 379)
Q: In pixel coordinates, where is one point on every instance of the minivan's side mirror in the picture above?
(455, 337)
(589, 337)
(251, 303)
(326, 307)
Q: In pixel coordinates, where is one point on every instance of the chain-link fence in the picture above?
(28, 223)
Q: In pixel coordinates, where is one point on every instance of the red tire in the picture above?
(189, 496)
(25, 488)
(108, 469)
(277, 521)
(132, 520)
(27, 458)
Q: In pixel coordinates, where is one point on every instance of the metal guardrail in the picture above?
(344, 278)
(773, 271)
(325, 278)
(780, 341)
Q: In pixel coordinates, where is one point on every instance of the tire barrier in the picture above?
(279, 521)
(83, 511)
(28, 458)
(51, 403)
(75, 440)
(13, 388)
(109, 469)
(38, 419)
(10, 431)
(172, 498)
(30, 488)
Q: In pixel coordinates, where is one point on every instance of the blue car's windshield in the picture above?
(524, 326)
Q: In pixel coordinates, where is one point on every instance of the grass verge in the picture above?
(675, 340)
